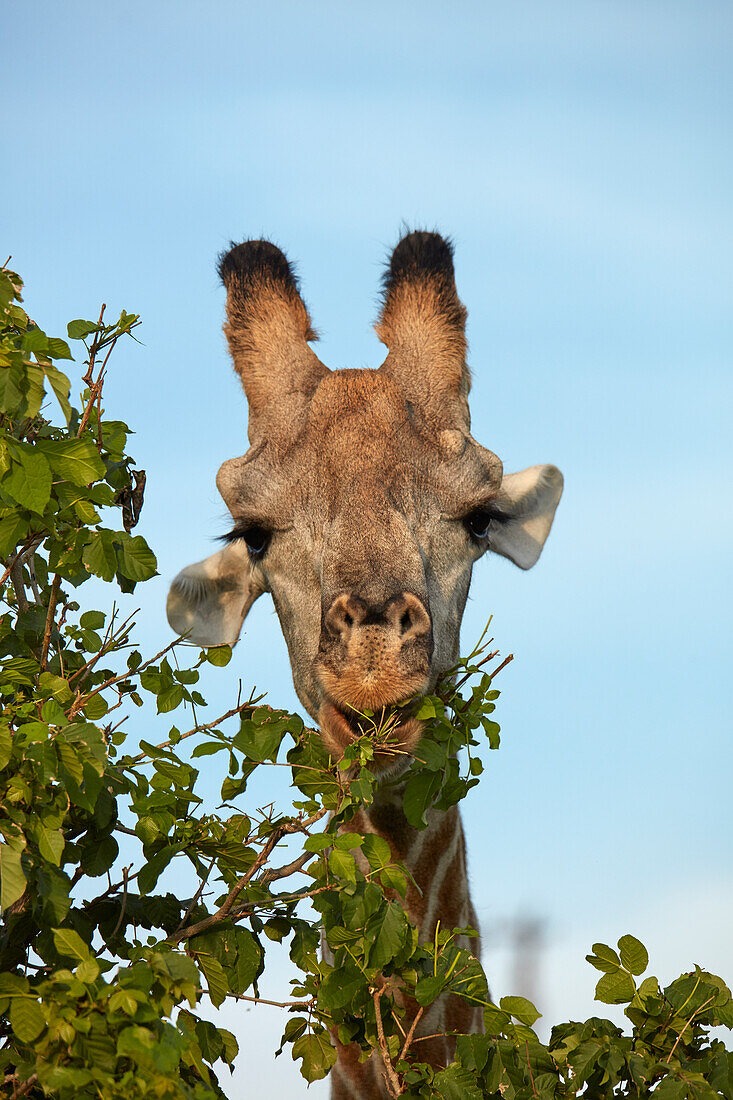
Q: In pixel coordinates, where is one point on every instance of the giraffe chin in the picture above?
(393, 746)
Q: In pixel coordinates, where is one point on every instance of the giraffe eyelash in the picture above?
(255, 536)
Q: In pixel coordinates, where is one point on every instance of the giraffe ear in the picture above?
(423, 324)
(208, 601)
(268, 329)
(525, 506)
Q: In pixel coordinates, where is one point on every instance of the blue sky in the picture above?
(579, 154)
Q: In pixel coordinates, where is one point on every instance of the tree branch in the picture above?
(52, 599)
(224, 910)
(392, 1080)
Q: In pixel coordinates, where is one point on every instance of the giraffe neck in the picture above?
(436, 859)
(434, 856)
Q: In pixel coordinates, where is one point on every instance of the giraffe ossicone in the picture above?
(362, 506)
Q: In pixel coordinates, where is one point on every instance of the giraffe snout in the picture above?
(373, 655)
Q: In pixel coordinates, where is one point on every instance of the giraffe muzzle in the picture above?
(373, 656)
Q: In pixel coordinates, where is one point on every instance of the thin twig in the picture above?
(275, 900)
(410, 1033)
(125, 873)
(110, 890)
(83, 699)
(16, 579)
(53, 597)
(28, 548)
(24, 1087)
(107, 644)
(504, 663)
(285, 872)
(474, 670)
(529, 1067)
(694, 1014)
(305, 1005)
(224, 910)
(392, 1080)
(196, 896)
(189, 733)
(437, 1035)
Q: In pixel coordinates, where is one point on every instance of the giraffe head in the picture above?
(364, 501)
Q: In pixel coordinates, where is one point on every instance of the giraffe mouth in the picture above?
(393, 730)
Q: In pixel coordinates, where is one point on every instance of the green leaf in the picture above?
(99, 554)
(61, 386)
(33, 389)
(615, 988)
(521, 1009)
(392, 878)
(585, 1058)
(427, 709)
(51, 844)
(294, 1028)
(95, 707)
(136, 1043)
(74, 460)
(259, 740)
(339, 988)
(136, 559)
(69, 757)
(29, 482)
(12, 879)
(339, 936)
(316, 1053)
(77, 330)
(387, 933)
(125, 1000)
(342, 864)
(92, 620)
(419, 794)
(219, 655)
(427, 989)
(55, 686)
(12, 531)
(604, 958)
(26, 1018)
(170, 698)
(377, 851)
(70, 944)
(12, 383)
(57, 348)
(153, 869)
(88, 970)
(318, 842)
(455, 1083)
(98, 857)
(215, 977)
(492, 731)
(249, 962)
(6, 746)
(634, 956)
(347, 841)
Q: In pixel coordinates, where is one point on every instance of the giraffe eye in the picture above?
(256, 537)
(477, 523)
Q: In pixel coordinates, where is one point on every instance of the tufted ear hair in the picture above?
(423, 324)
(268, 329)
(525, 509)
(208, 601)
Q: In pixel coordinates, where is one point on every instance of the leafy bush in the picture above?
(102, 983)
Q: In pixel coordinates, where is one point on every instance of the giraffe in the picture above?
(361, 506)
